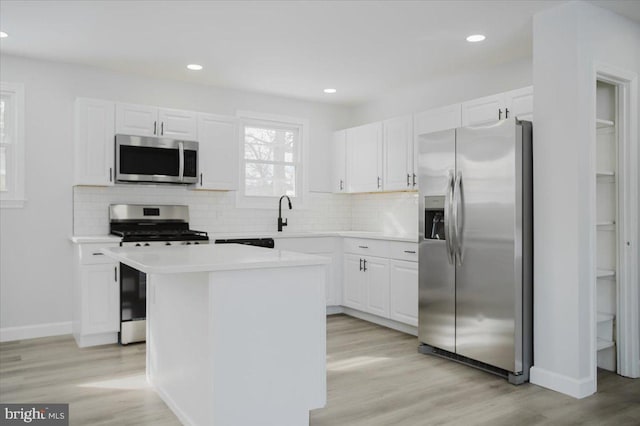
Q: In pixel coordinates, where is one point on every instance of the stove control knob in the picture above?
(137, 244)
(196, 242)
(146, 244)
(167, 243)
(188, 243)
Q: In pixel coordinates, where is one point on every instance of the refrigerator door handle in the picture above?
(458, 217)
(448, 208)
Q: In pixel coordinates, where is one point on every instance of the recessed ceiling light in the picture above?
(475, 38)
(329, 90)
(3, 34)
(194, 67)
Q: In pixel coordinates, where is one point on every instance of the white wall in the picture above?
(568, 40)
(36, 261)
(456, 87)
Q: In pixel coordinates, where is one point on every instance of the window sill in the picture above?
(12, 204)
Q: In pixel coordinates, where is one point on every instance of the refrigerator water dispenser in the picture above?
(434, 224)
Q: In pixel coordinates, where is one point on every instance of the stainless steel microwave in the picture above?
(159, 160)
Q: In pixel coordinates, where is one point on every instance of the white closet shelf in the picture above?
(604, 344)
(605, 273)
(603, 124)
(604, 317)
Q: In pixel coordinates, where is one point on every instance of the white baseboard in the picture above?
(577, 388)
(9, 334)
(405, 328)
(333, 310)
(181, 415)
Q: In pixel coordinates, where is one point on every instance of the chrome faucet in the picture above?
(282, 222)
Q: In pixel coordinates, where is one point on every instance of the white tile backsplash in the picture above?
(215, 212)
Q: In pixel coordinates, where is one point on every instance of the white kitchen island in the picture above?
(236, 335)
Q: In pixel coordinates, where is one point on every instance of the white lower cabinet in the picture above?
(353, 284)
(403, 289)
(96, 296)
(100, 298)
(329, 247)
(376, 272)
(385, 284)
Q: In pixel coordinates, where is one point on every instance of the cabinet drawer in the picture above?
(364, 246)
(403, 251)
(90, 253)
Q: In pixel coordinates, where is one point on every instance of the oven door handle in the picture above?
(181, 164)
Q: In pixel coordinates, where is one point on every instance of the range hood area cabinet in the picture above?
(97, 121)
(382, 156)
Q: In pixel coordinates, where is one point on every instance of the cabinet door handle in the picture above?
(506, 113)
(162, 128)
(361, 264)
(341, 184)
(155, 127)
(110, 174)
(410, 251)
(115, 274)
(378, 182)
(408, 179)
(363, 246)
(365, 265)
(414, 179)
(499, 113)
(98, 254)
(200, 179)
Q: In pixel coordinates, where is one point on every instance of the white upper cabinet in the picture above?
(144, 120)
(339, 163)
(139, 120)
(483, 110)
(437, 119)
(94, 139)
(519, 103)
(515, 103)
(398, 153)
(364, 158)
(178, 124)
(218, 152)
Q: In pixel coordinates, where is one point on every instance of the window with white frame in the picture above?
(11, 144)
(271, 159)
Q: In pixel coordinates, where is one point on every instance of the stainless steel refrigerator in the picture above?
(475, 252)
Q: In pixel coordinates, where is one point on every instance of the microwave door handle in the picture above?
(181, 165)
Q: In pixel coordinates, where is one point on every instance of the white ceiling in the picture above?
(289, 48)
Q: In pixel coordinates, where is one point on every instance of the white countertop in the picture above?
(208, 258)
(316, 234)
(285, 234)
(84, 239)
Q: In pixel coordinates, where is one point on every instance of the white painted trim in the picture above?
(181, 415)
(9, 334)
(334, 310)
(577, 388)
(15, 194)
(405, 328)
(85, 341)
(628, 294)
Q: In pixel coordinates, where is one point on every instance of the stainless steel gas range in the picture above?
(145, 226)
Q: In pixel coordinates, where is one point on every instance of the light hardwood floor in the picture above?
(375, 377)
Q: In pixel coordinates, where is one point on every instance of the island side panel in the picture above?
(268, 337)
(178, 350)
